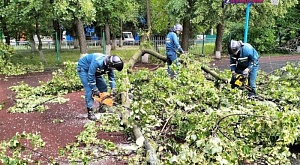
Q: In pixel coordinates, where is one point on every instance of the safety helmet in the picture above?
(114, 62)
(235, 46)
(178, 27)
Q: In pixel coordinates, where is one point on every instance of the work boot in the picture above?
(91, 115)
(101, 109)
(104, 109)
(251, 94)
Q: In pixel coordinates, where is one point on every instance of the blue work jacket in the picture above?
(246, 58)
(172, 45)
(93, 63)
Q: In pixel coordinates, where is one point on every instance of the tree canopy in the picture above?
(267, 21)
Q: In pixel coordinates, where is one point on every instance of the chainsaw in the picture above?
(104, 98)
(240, 80)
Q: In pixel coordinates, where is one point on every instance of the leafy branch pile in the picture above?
(30, 99)
(9, 68)
(191, 119)
(284, 79)
(181, 116)
(89, 148)
(24, 144)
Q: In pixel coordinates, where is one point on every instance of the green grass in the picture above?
(27, 57)
(208, 49)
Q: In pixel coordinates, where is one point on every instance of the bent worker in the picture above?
(172, 46)
(91, 69)
(244, 60)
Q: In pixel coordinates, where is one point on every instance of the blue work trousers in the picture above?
(172, 59)
(100, 83)
(252, 76)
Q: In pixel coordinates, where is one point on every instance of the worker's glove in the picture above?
(96, 92)
(233, 73)
(246, 73)
(113, 92)
(185, 53)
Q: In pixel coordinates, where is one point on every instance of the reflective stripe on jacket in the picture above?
(248, 57)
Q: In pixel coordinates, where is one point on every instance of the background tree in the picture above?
(113, 15)
(3, 21)
(262, 32)
(289, 26)
(80, 12)
(30, 18)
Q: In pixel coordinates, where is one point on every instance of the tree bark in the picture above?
(4, 26)
(37, 32)
(220, 31)
(185, 34)
(107, 35)
(151, 153)
(56, 28)
(76, 40)
(148, 19)
(81, 37)
(140, 52)
(187, 25)
(139, 137)
(113, 44)
(214, 74)
(32, 43)
(121, 35)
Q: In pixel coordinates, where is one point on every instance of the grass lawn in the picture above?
(53, 59)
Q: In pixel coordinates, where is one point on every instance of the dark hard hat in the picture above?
(114, 62)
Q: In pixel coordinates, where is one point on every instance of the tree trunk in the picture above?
(113, 44)
(32, 43)
(40, 46)
(4, 26)
(107, 36)
(186, 33)
(139, 137)
(214, 74)
(6, 33)
(151, 153)
(220, 31)
(140, 52)
(81, 37)
(76, 40)
(148, 19)
(218, 43)
(121, 35)
(56, 28)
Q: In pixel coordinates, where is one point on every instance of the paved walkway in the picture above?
(267, 63)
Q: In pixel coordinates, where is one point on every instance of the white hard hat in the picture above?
(178, 27)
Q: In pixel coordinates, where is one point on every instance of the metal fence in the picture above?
(158, 43)
(51, 44)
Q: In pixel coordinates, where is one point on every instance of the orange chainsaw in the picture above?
(104, 98)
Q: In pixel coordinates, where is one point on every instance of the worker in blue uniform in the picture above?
(91, 69)
(244, 60)
(172, 47)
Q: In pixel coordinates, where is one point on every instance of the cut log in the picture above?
(151, 153)
(214, 74)
(140, 139)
